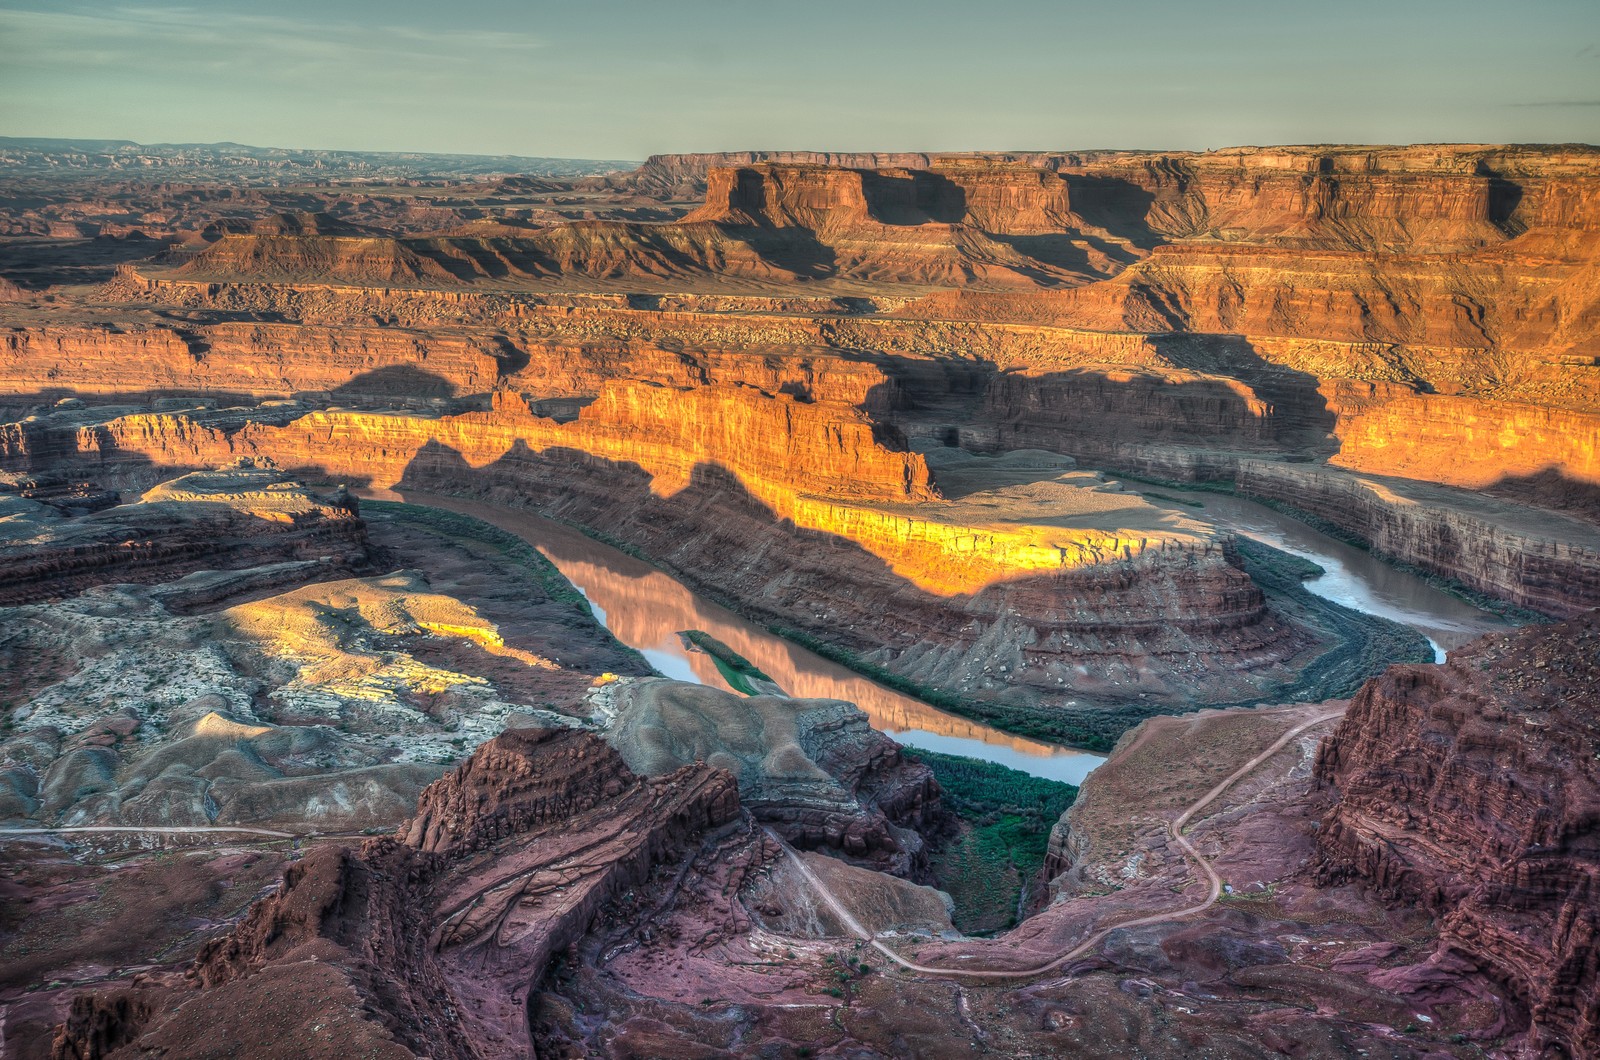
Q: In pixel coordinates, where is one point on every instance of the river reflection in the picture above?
(646, 609)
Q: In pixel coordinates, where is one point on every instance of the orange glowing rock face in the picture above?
(815, 465)
(751, 385)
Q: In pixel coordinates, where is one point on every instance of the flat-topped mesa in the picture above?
(1414, 199)
(1172, 226)
(1000, 199)
(1422, 197)
(1472, 247)
(683, 176)
(295, 255)
(1474, 790)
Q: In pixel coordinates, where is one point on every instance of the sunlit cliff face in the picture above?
(814, 465)
(775, 364)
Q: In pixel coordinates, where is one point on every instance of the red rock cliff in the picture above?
(392, 949)
(1474, 789)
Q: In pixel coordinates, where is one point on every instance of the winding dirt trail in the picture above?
(1175, 829)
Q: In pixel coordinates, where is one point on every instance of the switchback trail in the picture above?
(1175, 829)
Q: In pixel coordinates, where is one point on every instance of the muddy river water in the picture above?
(647, 609)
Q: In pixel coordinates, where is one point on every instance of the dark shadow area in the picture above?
(196, 343)
(919, 388)
(1299, 420)
(1118, 206)
(1551, 488)
(465, 259)
(34, 264)
(512, 358)
(392, 382)
(795, 250)
(1504, 197)
(1136, 421)
(912, 197)
(1066, 251)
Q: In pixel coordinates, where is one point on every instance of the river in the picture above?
(1352, 577)
(646, 609)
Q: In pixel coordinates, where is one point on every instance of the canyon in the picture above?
(289, 637)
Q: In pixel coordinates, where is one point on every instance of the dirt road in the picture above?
(1175, 829)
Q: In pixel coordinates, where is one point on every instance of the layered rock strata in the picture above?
(1536, 559)
(813, 769)
(249, 359)
(219, 699)
(807, 500)
(1473, 789)
(235, 518)
(431, 945)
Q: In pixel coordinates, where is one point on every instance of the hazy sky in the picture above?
(621, 79)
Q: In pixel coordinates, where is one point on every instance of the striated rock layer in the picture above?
(248, 359)
(1540, 560)
(1474, 789)
(235, 518)
(428, 945)
(813, 519)
(813, 769)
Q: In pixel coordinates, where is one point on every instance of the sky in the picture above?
(611, 79)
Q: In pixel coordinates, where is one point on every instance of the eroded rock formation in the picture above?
(811, 768)
(281, 694)
(1474, 790)
(431, 946)
(231, 519)
(814, 517)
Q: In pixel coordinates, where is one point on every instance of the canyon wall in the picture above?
(1472, 789)
(794, 512)
(203, 521)
(1540, 560)
(432, 945)
(254, 359)
(1467, 442)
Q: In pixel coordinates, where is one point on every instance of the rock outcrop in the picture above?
(1536, 559)
(429, 947)
(808, 501)
(229, 519)
(772, 356)
(255, 359)
(282, 696)
(1473, 789)
(810, 768)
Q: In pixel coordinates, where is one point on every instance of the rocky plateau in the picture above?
(1268, 473)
